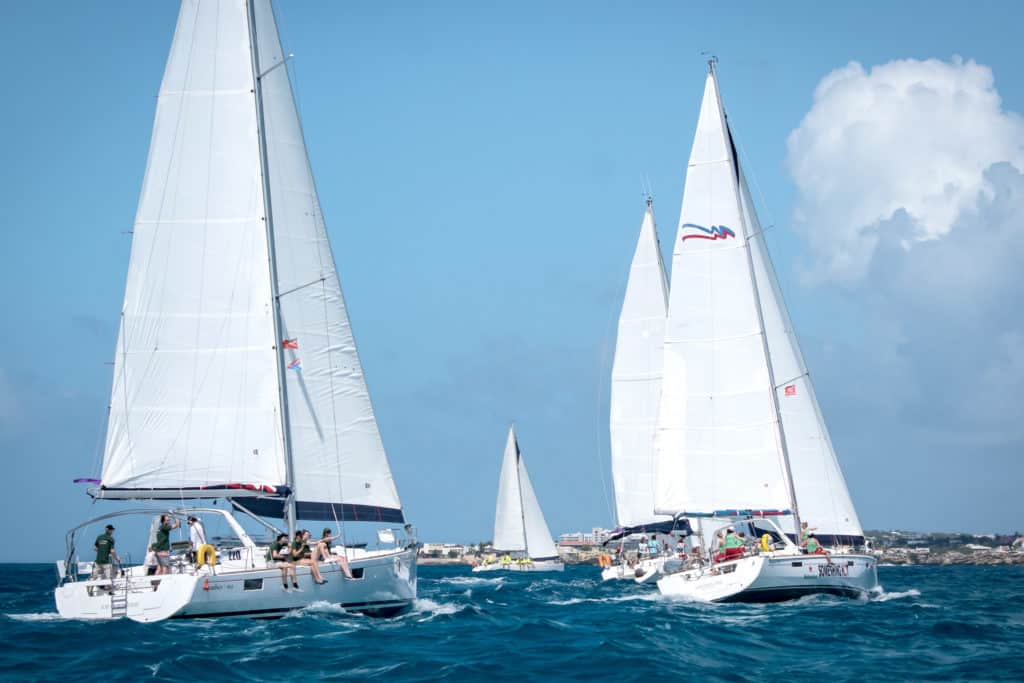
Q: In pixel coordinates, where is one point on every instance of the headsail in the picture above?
(519, 524)
(820, 487)
(341, 468)
(718, 439)
(636, 379)
(195, 394)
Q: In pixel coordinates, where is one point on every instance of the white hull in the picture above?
(771, 577)
(387, 586)
(645, 571)
(541, 566)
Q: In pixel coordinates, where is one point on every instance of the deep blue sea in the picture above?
(936, 623)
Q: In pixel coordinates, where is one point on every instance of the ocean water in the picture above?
(935, 623)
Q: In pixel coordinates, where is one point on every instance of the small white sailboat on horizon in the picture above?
(633, 414)
(522, 540)
(741, 440)
(236, 375)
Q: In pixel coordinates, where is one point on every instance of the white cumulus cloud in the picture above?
(908, 139)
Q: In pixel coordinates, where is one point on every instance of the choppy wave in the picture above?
(928, 622)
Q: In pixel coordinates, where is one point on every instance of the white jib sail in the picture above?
(636, 379)
(718, 444)
(337, 451)
(539, 543)
(509, 530)
(821, 493)
(195, 393)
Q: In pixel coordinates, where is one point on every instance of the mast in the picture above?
(519, 488)
(757, 306)
(272, 259)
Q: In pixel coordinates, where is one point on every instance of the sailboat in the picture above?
(522, 540)
(633, 414)
(236, 375)
(741, 442)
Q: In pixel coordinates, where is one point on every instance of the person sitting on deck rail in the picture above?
(301, 554)
(805, 533)
(277, 556)
(102, 568)
(323, 551)
(813, 547)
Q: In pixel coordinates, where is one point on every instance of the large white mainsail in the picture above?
(728, 439)
(229, 200)
(718, 439)
(195, 399)
(519, 524)
(636, 379)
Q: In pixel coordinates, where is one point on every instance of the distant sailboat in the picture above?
(236, 374)
(633, 415)
(741, 441)
(522, 540)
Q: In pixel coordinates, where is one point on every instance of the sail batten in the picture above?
(636, 379)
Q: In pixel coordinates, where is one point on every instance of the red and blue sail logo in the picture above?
(715, 232)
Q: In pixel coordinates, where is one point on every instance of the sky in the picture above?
(481, 167)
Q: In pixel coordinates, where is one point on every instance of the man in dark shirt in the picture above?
(102, 568)
(162, 545)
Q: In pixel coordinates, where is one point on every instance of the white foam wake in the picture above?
(36, 616)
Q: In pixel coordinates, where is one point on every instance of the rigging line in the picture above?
(757, 186)
(308, 284)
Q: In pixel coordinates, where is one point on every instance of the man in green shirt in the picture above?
(162, 545)
(102, 568)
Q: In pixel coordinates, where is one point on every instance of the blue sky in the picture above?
(480, 168)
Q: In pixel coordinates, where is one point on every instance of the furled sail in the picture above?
(519, 524)
(195, 398)
(636, 380)
(718, 444)
(341, 468)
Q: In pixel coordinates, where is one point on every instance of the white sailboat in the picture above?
(236, 374)
(740, 435)
(635, 393)
(522, 540)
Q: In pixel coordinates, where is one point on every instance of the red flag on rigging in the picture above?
(290, 343)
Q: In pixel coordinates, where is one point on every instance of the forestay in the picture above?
(718, 442)
(195, 394)
(636, 380)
